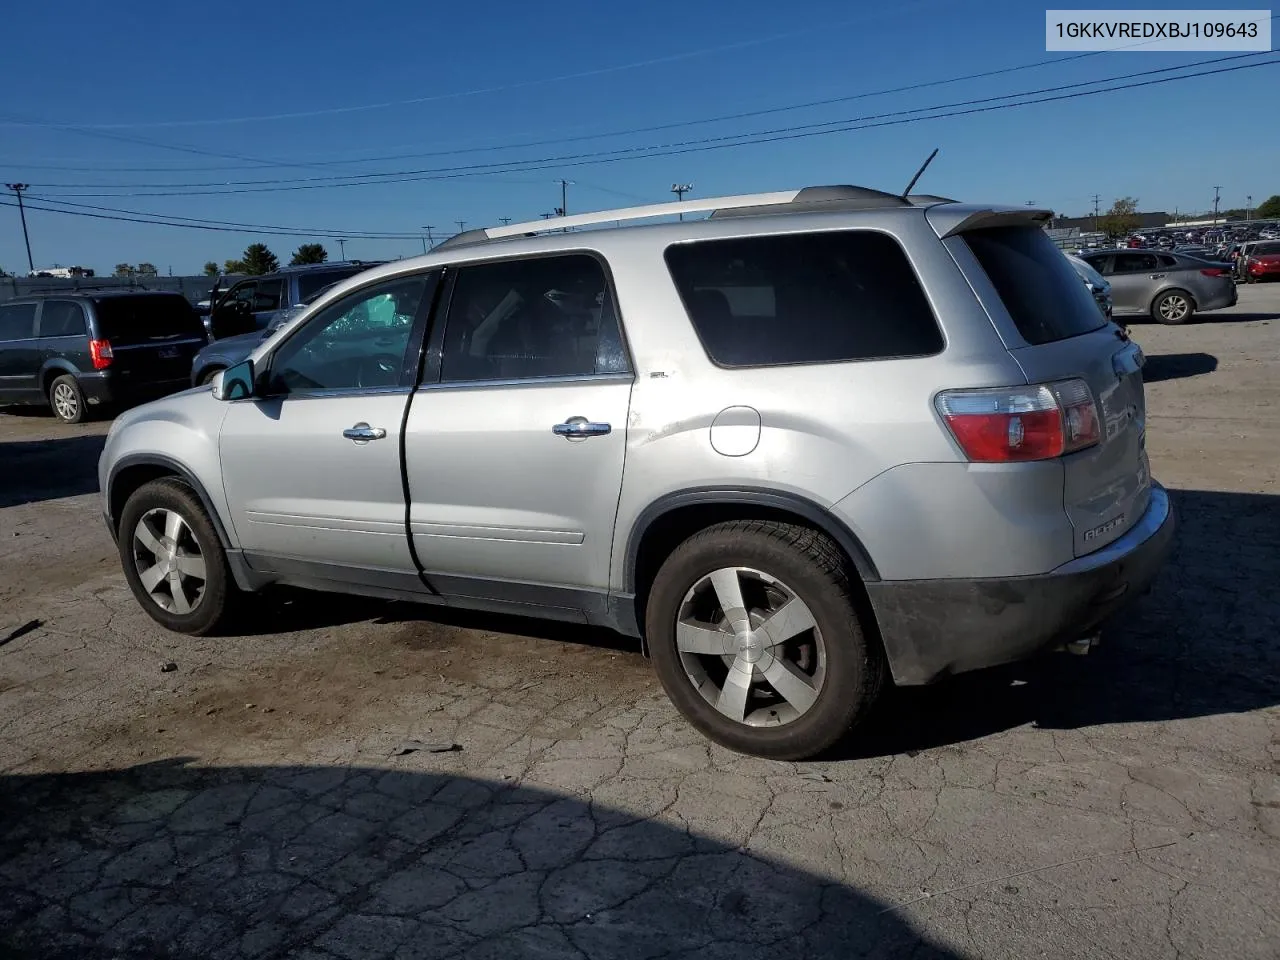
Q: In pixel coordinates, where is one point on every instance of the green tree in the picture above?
(1122, 219)
(309, 253)
(125, 269)
(258, 259)
(1268, 209)
(210, 269)
(234, 266)
(147, 270)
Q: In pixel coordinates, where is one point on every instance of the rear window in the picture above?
(1266, 249)
(128, 321)
(310, 283)
(1043, 295)
(804, 298)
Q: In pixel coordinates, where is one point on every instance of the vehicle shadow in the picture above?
(169, 859)
(37, 470)
(1203, 642)
(1175, 366)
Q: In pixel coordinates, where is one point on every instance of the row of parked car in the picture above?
(102, 349)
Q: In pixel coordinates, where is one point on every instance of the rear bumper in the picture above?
(106, 389)
(932, 628)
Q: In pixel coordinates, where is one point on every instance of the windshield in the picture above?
(1043, 295)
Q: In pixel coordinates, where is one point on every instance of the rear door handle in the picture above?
(363, 433)
(580, 428)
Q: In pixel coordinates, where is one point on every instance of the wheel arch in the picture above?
(673, 518)
(52, 370)
(132, 472)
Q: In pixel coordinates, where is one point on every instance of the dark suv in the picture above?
(80, 351)
(252, 303)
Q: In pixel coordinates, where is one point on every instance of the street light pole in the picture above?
(1216, 192)
(22, 212)
(680, 189)
(1248, 208)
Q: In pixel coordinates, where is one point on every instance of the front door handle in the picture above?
(580, 428)
(1157, 276)
(363, 433)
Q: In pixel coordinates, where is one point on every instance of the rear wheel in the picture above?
(756, 639)
(67, 400)
(1173, 307)
(173, 560)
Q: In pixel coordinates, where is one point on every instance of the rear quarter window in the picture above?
(129, 320)
(804, 298)
(1045, 297)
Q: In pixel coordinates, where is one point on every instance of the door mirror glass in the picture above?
(234, 383)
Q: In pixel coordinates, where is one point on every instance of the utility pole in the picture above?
(342, 249)
(462, 224)
(505, 220)
(564, 197)
(1096, 199)
(1216, 192)
(428, 239)
(18, 188)
(680, 189)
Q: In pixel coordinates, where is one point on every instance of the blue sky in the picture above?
(122, 74)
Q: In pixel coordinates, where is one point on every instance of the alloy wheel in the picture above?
(751, 647)
(65, 402)
(169, 561)
(1173, 307)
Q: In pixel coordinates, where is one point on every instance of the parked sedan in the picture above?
(1168, 287)
(1263, 262)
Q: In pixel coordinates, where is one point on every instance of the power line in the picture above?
(781, 134)
(816, 125)
(582, 74)
(202, 226)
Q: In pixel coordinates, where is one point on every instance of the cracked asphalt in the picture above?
(358, 779)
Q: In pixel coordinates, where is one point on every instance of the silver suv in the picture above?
(814, 441)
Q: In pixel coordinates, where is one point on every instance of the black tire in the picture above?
(66, 399)
(813, 570)
(206, 377)
(216, 601)
(1163, 309)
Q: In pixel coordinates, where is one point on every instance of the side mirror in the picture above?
(234, 383)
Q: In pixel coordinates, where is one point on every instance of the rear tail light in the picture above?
(1214, 272)
(100, 353)
(1009, 424)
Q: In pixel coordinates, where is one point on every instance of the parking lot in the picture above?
(369, 779)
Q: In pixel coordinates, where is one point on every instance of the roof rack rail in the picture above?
(804, 200)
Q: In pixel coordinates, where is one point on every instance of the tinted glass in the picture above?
(1135, 262)
(359, 342)
(130, 320)
(1167, 261)
(17, 321)
(1043, 295)
(543, 317)
(267, 295)
(310, 282)
(807, 298)
(62, 318)
(1266, 249)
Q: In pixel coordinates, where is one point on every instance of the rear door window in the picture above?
(1041, 291)
(62, 318)
(128, 321)
(1135, 262)
(268, 295)
(804, 298)
(17, 321)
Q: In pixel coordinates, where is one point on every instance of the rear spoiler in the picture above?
(951, 219)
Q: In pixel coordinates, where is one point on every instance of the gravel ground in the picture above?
(366, 779)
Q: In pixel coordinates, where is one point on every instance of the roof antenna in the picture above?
(919, 173)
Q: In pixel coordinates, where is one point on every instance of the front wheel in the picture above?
(173, 560)
(756, 638)
(1173, 307)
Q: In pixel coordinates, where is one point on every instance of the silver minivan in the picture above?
(814, 442)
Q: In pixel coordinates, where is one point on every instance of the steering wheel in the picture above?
(385, 367)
